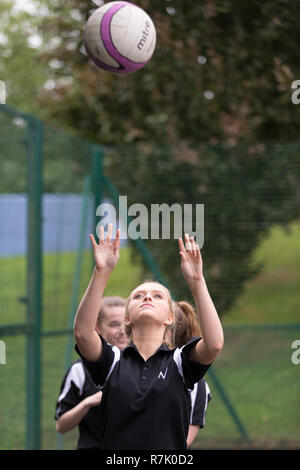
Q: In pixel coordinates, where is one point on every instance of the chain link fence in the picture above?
(51, 184)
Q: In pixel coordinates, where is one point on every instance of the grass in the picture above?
(255, 366)
(260, 381)
(274, 295)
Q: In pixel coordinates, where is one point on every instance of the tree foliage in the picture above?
(197, 125)
(20, 68)
(222, 70)
(245, 190)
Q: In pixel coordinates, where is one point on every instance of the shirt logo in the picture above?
(162, 375)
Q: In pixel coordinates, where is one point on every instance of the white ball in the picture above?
(120, 37)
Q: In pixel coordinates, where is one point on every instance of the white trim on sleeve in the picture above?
(117, 354)
(77, 375)
(206, 401)
(178, 360)
(193, 394)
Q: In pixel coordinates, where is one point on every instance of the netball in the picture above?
(120, 37)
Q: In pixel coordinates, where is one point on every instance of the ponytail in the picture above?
(186, 323)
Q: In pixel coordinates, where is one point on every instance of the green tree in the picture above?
(20, 69)
(221, 71)
(220, 78)
(245, 189)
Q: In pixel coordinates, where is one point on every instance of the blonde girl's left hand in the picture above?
(191, 260)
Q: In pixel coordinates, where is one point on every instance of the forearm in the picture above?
(86, 316)
(212, 332)
(73, 417)
(193, 430)
(88, 310)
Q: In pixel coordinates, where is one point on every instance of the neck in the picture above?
(147, 341)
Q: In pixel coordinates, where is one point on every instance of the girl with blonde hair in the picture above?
(146, 387)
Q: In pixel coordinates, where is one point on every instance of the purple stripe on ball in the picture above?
(129, 66)
(103, 65)
(98, 62)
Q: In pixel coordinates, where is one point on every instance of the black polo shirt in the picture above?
(76, 386)
(145, 405)
(200, 397)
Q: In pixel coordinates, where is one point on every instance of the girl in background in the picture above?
(79, 399)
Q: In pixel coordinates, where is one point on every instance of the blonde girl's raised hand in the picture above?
(106, 252)
(207, 349)
(191, 260)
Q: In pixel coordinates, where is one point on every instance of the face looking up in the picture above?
(149, 303)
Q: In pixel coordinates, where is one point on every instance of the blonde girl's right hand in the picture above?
(106, 252)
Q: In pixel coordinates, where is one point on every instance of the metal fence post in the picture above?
(231, 409)
(146, 255)
(97, 179)
(34, 283)
(76, 281)
(97, 190)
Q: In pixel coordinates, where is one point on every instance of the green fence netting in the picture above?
(254, 384)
